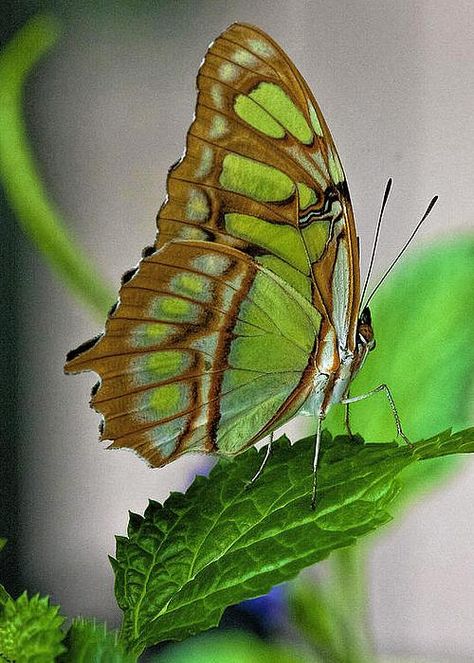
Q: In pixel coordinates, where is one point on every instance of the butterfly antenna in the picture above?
(407, 243)
(376, 237)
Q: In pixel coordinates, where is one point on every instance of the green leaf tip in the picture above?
(30, 630)
(221, 543)
(4, 595)
(31, 42)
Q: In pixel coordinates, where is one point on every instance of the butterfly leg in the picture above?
(268, 453)
(388, 393)
(347, 419)
(317, 446)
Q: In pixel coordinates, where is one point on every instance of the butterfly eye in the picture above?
(365, 317)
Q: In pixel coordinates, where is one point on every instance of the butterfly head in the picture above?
(365, 341)
(365, 332)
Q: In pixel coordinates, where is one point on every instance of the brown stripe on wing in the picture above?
(200, 168)
(296, 399)
(121, 355)
(222, 352)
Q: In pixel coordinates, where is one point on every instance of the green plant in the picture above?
(173, 575)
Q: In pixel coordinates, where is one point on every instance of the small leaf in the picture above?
(30, 630)
(88, 641)
(332, 612)
(222, 542)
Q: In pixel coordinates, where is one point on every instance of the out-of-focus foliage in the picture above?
(232, 647)
(36, 214)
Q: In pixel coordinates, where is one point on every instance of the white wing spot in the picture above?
(244, 58)
(197, 208)
(228, 71)
(262, 48)
(218, 127)
(206, 162)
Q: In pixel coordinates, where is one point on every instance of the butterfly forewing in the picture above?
(216, 337)
(261, 172)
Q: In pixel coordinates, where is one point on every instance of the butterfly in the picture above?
(246, 311)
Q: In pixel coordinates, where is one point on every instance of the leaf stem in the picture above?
(38, 217)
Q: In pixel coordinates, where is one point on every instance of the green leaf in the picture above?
(36, 214)
(30, 630)
(221, 542)
(423, 318)
(88, 641)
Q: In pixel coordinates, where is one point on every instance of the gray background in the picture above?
(109, 110)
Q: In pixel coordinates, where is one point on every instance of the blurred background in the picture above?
(107, 113)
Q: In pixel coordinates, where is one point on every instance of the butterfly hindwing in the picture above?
(184, 361)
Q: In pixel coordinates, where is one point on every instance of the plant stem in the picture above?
(349, 598)
(37, 216)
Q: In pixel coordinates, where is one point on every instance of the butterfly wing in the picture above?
(216, 336)
(261, 172)
(199, 353)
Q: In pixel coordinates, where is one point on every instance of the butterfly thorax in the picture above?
(335, 367)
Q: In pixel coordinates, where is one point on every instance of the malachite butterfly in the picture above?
(246, 311)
